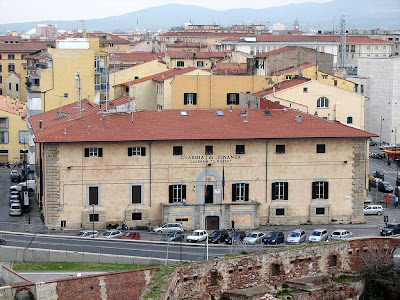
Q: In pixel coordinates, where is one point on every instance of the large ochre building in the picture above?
(204, 168)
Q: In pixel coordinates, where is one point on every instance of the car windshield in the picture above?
(216, 234)
(316, 233)
(391, 226)
(107, 233)
(171, 234)
(295, 234)
(195, 233)
(336, 233)
(16, 207)
(252, 235)
(129, 234)
(386, 184)
(272, 235)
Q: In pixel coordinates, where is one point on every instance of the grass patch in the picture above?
(286, 292)
(75, 266)
(343, 279)
(159, 282)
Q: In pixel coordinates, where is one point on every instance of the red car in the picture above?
(131, 235)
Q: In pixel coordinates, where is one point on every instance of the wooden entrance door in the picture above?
(212, 223)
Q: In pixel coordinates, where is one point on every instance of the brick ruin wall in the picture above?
(273, 269)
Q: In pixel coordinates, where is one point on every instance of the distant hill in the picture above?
(363, 14)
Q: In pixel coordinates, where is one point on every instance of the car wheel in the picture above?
(379, 213)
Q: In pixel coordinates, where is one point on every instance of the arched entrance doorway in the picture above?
(212, 222)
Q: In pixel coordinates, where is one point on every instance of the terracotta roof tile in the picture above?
(292, 69)
(198, 55)
(186, 45)
(282, 86)
(230, 68)
(160, 76)
(13, 106)
(23, 47)
(167, 125)
(138, 56)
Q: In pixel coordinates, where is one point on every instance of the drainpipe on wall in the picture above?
(266, 174)
(150, 169)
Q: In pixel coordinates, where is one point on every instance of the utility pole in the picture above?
(343, 43)
(79, 87)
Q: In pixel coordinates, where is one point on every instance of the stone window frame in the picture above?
(98, 195)
(141, 193)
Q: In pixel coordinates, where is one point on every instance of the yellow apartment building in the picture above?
(15, 86)
(253, 168)
(13, 130)
(201, 60)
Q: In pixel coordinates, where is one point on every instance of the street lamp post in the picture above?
(93, 221)
(395, 151)
(380, 136)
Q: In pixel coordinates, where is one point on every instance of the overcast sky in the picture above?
(15, 11)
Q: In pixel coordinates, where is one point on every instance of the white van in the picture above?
(22, 186)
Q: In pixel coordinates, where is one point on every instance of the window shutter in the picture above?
(326, 190)
(129, 151)
(184, 191)
(194, 98)
(233, 192)
(100, 151)
(246, 192)
(6, 136)
(6, 123)
(86, 152)
(185, 99)
(314, 190)
(143, 151)
(286, 190)
(228, 102)
(237, 98)
(273, 196)
(171, 194)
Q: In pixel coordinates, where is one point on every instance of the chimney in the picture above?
(40, 124)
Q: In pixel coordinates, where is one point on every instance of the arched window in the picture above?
(323, 102)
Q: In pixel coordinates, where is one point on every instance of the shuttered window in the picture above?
(177, 192)
(280, 190)
(93, 152)
(240, 192)
(190, 99)
(232, 99)
(137, 151)
(320, 190)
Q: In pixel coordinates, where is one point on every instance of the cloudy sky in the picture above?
(14, 11)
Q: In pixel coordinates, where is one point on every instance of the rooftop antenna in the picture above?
(78, 82)
(343, 42)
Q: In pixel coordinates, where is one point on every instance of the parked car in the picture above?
(111, 234)
(385, 187)
(218, 236)
(254, 237)
(297, 236)
(373, 210)
(88, 233)
(197, 236)
(131, 235)
(379, 174)
(15, 175)
(318, 235)
(173, 237)
(169, 227)
(341, 234)
(391, 229)
(235, 237)
(22, 186)
(375, 182)
(15, 209)
(15, 201)
(14, 197)
(274, 238)
(372, 143)
(397, 191)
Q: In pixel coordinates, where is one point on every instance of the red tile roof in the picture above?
(104, 38)
(138, 56)
(268, 104)
(27, 47)
(13, 106)
(117, 102)
(166, 125)
(9, 38)
(282, 86)
(292, 69)
(195, 55)
(203, 34)
(186, 45)
(229, 68)
(160, 76)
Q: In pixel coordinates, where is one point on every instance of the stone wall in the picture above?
(359, 179)
(52, 185)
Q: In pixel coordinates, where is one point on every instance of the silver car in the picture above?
(318, 235)
(169, 227)
(15, 209)
(112, 234)
(296, 237)
(254, 237)
(341, 234)
(88, 233)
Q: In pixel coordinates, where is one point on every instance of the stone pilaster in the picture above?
(52, 185)
(359, 179)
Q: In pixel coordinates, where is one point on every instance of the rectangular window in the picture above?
(288, 77)
(36, 82)
(362, 89)
(177, 192)
(376, 47)
(190, 99)
(349, 120)
(353, 48)
(11, 68)
(232, 99)
(320, 210)
(93, 217)
(280, 212)
(320, 189)
(1, 91)
(181, 219)
(280, 190)
(11, 56)
(137, 151)
(240, 149)
(136, 196)
(93, 152)
(23, 136)
(1, 79)
(1, 68)
(93, 194)
(9, 86)
(240, 192)
(324, 77)
(180, 63)
(320, 148)
(347, 48)
(16, 87)
(305, 90)
(209, 150)
(280, 149)
(4, 137)
(66, 95)
(200, 64)
(136, 216)
(177, 150)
